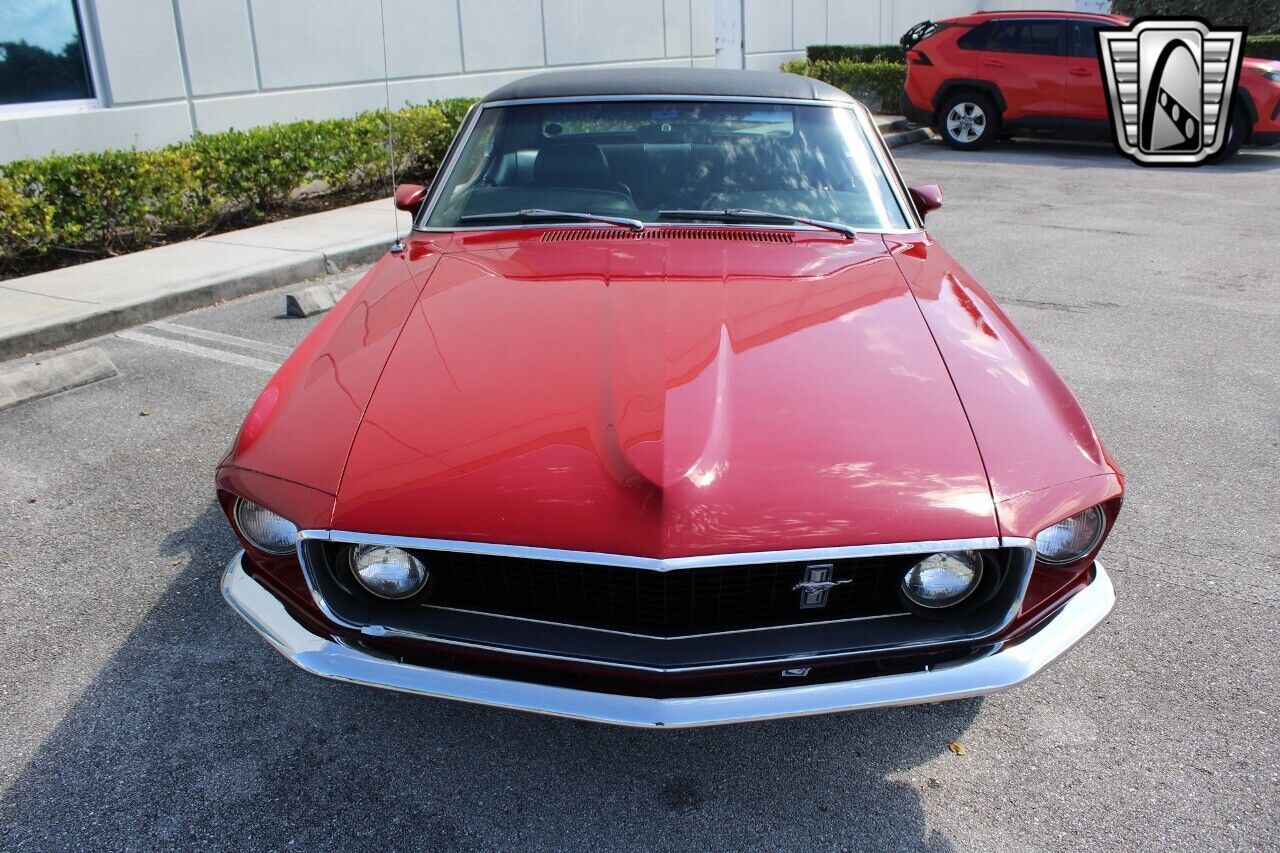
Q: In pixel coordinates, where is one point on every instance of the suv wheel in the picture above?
(1237, 130)
(968, 120)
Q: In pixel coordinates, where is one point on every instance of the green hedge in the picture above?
(95, 205)
(854, 53)
(1262, 47)
(876, 84)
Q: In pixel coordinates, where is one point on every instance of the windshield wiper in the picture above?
(542, 213)
(746, 214)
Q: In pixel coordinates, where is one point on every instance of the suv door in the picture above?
(1026, 58)
(1086, 95)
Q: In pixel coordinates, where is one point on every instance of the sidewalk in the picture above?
(58, 307)
(51, 309)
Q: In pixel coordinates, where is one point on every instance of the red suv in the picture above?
(998, 74)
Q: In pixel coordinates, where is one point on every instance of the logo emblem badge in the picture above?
(817, 584)
(1170, 86)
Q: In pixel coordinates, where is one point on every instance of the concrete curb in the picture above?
(313, 300)
(907, 137)
(54, 375)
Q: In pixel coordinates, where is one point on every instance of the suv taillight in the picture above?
(918, 57)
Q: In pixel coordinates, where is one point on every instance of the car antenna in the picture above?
(398, 246)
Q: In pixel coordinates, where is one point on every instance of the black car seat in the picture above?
(581, 165)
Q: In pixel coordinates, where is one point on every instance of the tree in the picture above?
(1260, 16)
(29, 74)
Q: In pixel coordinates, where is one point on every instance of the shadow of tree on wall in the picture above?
(197, 734)
(30, 74)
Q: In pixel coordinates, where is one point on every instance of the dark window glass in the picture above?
(976, 38)
(1044, 37)
(1082, 42)
(42, 54)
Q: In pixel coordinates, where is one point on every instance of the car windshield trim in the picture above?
(860, 115)
(730, 214)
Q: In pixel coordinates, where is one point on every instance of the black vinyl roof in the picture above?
(719, 82)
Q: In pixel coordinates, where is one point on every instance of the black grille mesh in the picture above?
(738, 235)
(666, 604)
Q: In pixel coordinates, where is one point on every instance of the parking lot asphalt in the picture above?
(139, 712)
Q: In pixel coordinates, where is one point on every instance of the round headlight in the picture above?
(388, 572)
(941, 580)
(264, 529)
(1071, 538)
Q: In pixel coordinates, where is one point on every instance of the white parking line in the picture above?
(203, 352)
(219, 337)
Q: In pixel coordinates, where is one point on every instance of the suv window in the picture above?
(1081, 41)
(1043, 36)
(976, 38)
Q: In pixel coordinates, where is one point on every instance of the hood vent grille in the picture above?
(738, 235)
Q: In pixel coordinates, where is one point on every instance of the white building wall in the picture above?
(779, 30)
(166, 68)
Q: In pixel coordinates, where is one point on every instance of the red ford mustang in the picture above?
(669, 412)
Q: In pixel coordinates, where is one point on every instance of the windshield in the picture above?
(636, 159)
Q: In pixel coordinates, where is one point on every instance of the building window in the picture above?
(42, 53)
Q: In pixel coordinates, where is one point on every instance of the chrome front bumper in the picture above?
(1009, 666)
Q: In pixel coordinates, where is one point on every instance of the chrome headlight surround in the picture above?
(269, 532)
(1082, 532)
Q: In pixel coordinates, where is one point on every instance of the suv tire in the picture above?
(1237, 130)
(968, 120)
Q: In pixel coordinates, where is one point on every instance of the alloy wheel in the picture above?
(966, 122)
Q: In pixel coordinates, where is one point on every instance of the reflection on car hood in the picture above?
(666, 397)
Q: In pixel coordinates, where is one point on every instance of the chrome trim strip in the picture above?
(871, 133)
(1004, 668)
(667, 564)
(663, 636)
(441, 177)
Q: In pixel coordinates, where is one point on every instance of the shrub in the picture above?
(876, 84)
(854, 53)
(1263, 47)
(110, 202)
(25, 222)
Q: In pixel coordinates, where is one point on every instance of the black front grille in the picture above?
(664, 604)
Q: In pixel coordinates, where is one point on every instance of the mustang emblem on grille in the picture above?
(817, 585)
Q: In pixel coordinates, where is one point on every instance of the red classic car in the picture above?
(669, 412)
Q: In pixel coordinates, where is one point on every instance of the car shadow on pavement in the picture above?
(197, 734)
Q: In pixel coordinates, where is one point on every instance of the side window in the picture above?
(1034, 36)
(976, 38)
(1082, 42)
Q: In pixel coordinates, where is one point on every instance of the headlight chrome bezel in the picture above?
(1099, 519)
(244, 505)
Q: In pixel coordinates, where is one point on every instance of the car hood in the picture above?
(666, 396)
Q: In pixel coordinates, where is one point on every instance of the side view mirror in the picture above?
(409, 197)
(927, 197)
